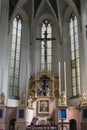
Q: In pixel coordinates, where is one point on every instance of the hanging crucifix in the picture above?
(86, 30)
(45, 39)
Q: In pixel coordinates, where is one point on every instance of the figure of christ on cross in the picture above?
(45, 39)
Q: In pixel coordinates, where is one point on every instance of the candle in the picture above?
(0, 82)
(49, 67)
(59, 78)
(1, 79)
(65, 75)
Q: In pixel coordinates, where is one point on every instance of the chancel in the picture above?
(43, 64)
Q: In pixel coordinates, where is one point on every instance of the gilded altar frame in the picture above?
(35, 84)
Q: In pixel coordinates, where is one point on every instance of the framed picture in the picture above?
(63, 113)
(21, 113)
(43, 106)
(1, 113)
(84, 114)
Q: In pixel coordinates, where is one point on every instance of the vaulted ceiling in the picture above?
(12, 4)
(77, 3)
(53, 3)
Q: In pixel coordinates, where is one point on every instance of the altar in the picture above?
(44, 104)
(44, 92)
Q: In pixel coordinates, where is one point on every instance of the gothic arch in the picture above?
(42, 8)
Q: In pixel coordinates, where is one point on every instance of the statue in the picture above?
(63, 98)
(48, 92)
(30, 102)
(41, 91)
(22, 98)
(83, 98)
(2, 98)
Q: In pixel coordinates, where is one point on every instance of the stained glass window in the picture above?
(46, 27)
(75, 63)
(14, 67)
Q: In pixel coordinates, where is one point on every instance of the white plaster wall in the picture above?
(55, 48)
(25, 59)
(35, 50)
(84, 44)
(3, 47)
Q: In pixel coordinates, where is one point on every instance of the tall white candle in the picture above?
(2, 75)
(0, 82)
(59, 78)
(65, 75)
(49, 67)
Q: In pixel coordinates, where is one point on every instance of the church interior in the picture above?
(43, 64)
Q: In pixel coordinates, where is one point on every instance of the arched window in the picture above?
(75, 63)
(14, 67)
(46, 45)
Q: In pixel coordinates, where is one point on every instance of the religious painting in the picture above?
(43, 106)
(21, 113)
(63, 113)
(84, 114)
(1, 113)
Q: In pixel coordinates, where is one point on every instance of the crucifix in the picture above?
(86, 30)
(45, 39)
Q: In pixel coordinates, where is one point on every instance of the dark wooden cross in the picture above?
(45, 39)
(86, 30)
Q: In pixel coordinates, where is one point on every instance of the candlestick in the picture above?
(65, 76)
(0, 82)
(49, 67)
(59, 78)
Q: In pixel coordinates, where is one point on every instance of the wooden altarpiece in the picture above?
(44, 84)
(44, 90)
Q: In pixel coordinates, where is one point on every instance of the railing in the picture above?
(42, 127)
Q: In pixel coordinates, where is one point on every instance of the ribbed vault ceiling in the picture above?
(53, 3)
